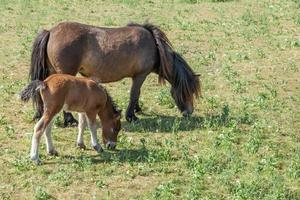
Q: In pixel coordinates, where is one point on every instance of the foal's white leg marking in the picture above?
(81, 127)
(50, 148)
(94, 141)
(36, 140)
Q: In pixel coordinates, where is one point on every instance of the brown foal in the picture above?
(77, 94)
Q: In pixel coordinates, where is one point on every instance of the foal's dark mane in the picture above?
(185, 83)
(110, 100)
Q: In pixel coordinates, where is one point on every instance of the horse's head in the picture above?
(111, 131)
(184, 103)
(185, 85)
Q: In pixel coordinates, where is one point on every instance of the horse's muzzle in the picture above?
(187, 113)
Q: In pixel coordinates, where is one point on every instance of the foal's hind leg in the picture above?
(50, 148)
(39, 128)
(134, 96)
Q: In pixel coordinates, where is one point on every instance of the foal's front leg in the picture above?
(81, 127)
(91, 119)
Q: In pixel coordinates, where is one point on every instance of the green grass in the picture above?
(242, 142)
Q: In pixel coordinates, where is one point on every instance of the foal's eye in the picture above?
(113, 130)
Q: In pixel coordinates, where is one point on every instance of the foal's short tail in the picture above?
(32, 90)
(39, 69)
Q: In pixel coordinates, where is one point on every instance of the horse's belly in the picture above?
(105, 73)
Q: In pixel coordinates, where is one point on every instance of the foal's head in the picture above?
(112, 125)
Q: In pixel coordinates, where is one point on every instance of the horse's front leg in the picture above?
(69, 120)
(134, 97)
(81, 127)
(137, 108)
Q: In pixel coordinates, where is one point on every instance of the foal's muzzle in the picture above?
(111, 145)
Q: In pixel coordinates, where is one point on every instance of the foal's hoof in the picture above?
(36, 161)
(53, 152)
(131, 118)
(98, 148)
(81, 146)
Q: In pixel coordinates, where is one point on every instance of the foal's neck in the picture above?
(107, 113)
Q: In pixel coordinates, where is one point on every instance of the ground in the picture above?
(242, 142)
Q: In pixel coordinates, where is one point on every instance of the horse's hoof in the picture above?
(53, 152)
(132, 118)
(81, 146)
(37, 116)
(138, 110)
(98, 148)
(71, 122)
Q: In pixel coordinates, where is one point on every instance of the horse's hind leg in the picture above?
(50, 148)
(69, 119)
(134, 97)
(91, 119)
(81, 127)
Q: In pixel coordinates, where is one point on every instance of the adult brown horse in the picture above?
(111, 54)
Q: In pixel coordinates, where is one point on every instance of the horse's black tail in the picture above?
(185, 83)
(39, 69)
(32, 90)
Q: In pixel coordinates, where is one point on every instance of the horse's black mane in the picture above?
(185, 83)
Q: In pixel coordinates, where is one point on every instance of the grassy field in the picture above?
(242, 142)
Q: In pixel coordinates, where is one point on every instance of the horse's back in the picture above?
(66, 46)
(108, 53)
